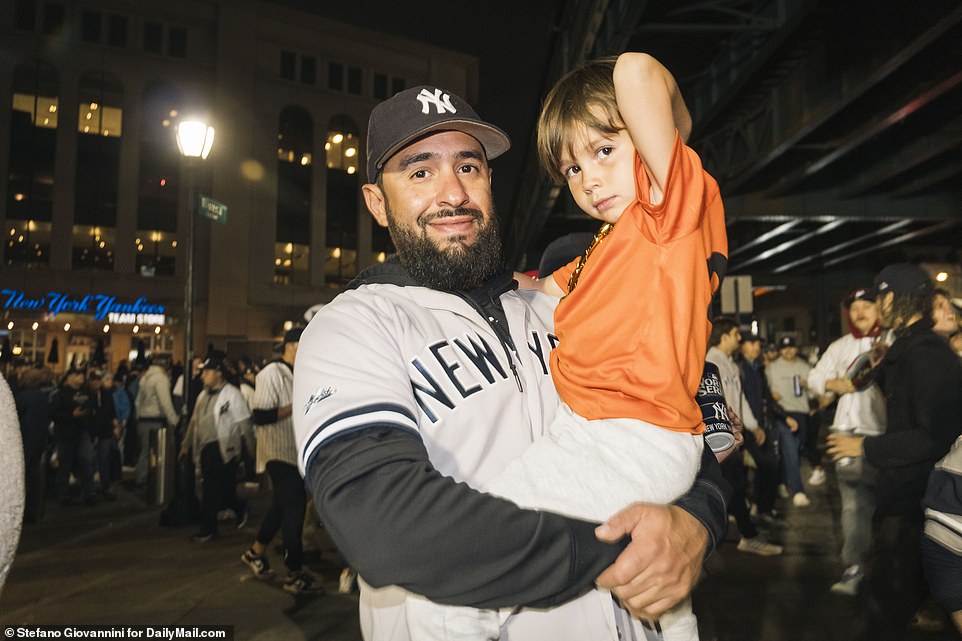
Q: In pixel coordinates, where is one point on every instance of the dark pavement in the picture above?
(113, 564)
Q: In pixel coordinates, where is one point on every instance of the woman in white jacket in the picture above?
(220, 420)
(859, 411)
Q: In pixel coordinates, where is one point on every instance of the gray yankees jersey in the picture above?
(425, 361)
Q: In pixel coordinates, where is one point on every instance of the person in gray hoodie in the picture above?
(155, 409)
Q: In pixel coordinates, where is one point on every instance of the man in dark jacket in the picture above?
(72, 409)
(104, 428)
(922, 382)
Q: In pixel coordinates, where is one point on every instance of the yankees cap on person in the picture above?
(420, 110)
(787, 341)
(901, 278)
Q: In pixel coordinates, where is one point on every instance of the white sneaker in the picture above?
(758, 545)
(783, 491)
(817, 477)
(800, 500)
(849, 582)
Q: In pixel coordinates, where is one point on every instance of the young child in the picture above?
(633, 321)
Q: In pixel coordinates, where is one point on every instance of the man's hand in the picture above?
(840, 385)
(792, 423)
(844, 446)
(759, 435)
(183, 453)
(661, 564)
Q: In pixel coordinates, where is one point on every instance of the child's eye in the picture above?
(604, 152)
(570, 172)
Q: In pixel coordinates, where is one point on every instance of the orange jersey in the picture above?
(634, 331)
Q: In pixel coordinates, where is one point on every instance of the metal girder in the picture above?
(906, 107)
(816, 204)
(773, 141)
(834, 249)
(931, 229)
(788, 244)
(767, 236)
(932, 178)
(920, 151)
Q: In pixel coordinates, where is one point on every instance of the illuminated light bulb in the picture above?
(942, 277)
(289, 248)
(163, 182)
(106, 328)
(165, 122)
(173, 113)
(305, 160)
(156, 330)
(52, 109)
(20, 238)
(140, 248)
(350, 151)
(136, 329)
(277, 262)
(336, 253)
(327, 146)
(66, 327)
(94, 106)
(381, 257)
(351, 169)
(288, 325)
(287, 262)
(102, 244)
(10, 325)
(18, 197)
(86, 130)
(46, 121)
(173, 244)
(88, 116)
(35, 326)
(136, 241)
(13, 231)
(337, 139)
(31, 226)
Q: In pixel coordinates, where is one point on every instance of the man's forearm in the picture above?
(706, 500)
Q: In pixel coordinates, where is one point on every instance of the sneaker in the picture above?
(783, 491)
(817, 477)
(202, 536)
(800, 500)
(258, 564)
(758, 545)
(347, 581)
(849, 582)
(243, 516)
(300, 582)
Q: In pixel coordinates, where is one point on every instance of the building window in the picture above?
(25, 15)
(335, 76)
(153, 37)
(380, 86)
(53, 18)
(117, 30)
(91, 24)
(177, 42)
(308, 70)
(159, 184)
(100, 126)
(32, 156)
(341, 147)
(288, 65)
(295, 140)
(355, 81)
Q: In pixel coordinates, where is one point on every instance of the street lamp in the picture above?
(194, 140)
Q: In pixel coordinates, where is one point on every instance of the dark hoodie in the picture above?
(400, 521)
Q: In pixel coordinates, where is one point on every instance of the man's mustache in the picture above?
(427, 219)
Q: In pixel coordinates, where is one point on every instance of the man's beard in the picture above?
(458, 265)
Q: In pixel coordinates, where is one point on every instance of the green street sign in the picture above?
(210, 208)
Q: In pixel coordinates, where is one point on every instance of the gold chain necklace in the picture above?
(604, 231)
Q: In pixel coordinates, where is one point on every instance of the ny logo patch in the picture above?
(441, 102)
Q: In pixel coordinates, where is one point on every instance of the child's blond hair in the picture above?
(583, 99)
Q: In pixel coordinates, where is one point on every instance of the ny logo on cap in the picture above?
(443, 103)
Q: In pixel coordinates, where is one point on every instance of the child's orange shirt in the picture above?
(634, 332)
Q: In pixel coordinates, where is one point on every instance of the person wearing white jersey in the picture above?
(277, 454)
(427, 377)
(859, 411)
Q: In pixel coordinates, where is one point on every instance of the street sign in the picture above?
(736, 295)
(210, 208)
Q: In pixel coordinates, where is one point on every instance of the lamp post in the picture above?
(194, 140)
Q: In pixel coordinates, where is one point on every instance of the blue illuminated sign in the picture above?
(101, 306)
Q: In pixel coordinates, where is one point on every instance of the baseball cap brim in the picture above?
(493, 139)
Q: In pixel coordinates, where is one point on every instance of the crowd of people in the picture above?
(468, 445)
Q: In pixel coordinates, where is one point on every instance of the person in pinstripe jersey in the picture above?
(277, 453)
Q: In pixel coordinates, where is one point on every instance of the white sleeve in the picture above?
(265, 389)
(826, 369)
(349, 375)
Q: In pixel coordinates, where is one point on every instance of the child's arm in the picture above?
(652, 108)
(544, 285)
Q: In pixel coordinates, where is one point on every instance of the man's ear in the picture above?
(376, 204)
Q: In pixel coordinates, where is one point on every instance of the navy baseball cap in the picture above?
(901, 278)
(421, 110)
(293, 335)
(863, 293)
(787, 341)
